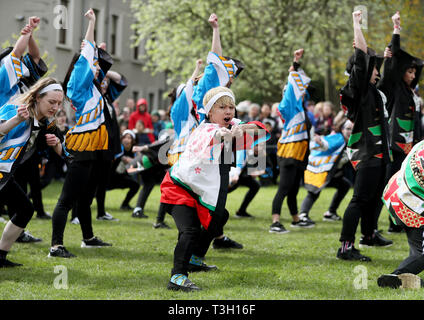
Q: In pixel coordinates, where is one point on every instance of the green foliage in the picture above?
(264, 34)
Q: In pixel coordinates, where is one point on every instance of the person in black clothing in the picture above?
(368, 147)
(119, 178)
(401, 74)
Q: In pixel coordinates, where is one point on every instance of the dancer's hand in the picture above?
(298, 54)
(213, 21)
(396, 19)
(23, 113)
(90, 15)
(357, 17)
(34, 22)
(52, 140)
(388, 53)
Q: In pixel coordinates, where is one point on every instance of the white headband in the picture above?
(51, 87)
(212, 101)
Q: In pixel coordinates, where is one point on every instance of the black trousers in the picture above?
(290, 178)
(149, 178)
(367, 192)
(124, 181)
(28, 173)
(252, 184)
(19, 206)
(78, 190)
(192, 237)
(342, 186)
(414, 263)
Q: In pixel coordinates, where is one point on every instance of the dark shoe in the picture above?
(27, 237)
(94, 243)
(404, 281)
(277, 227)
(4, 263)
(139, 214)
(60, 252)
(44, 215)
(203, 267)
(302, 224)
(180, 282)
(226, 243)
(376, 240)
(352, 254)
(243, 215)
(395, 229)
(161, 225)
(331, 216)
(305, 217)
(106, 217)
(126, 207)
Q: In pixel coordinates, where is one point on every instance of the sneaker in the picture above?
(277, 227)
(4, 263)
(226, 243)
(305, 217)
(75, 221)
(352, 254)
(181, 282)
(126, 207)
(376, 240)
(404, 281)
(44, 215)
(60, 252)
(331, 216)
(161, 225)
(27, 237)
(302, 224)
(395, 229)
(106, 217)
(202, 267)
(94, 243)
(243, 215)
(138, 213)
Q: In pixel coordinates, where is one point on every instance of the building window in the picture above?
(63, 22)
(96, 25)
(114, 34)
(135, 96)
(151, 100)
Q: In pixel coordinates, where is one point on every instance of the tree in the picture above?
(261, 33)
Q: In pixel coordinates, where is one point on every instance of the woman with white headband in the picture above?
(196, 187)
(25, 125)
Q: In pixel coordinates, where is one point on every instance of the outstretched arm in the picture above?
(359, 38)
(22, 43)
(216, 39)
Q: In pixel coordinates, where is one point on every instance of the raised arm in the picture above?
(196, 70)
(359, 38)
(22, 43)
(33, 49)
(89, 35)
(216, 39)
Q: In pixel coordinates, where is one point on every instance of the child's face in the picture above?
(127, 142)
(139, 126)
(222, 114)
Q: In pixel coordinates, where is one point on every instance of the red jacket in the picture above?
(143, 116)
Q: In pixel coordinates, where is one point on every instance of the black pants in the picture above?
(124, 181)
(192, 237)
(163, 209)
(414, 263)
(52, 170)
(28, 173)
(19, 206)
(78, 190)
(149, 177)
(252, 184)
(367, 192)
(342, 186)
(290, 177)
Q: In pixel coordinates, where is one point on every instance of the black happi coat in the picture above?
(405, 116)
(368, 144)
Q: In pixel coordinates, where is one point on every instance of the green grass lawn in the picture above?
(299, 265)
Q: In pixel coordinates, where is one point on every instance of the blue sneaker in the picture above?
(181, 282)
